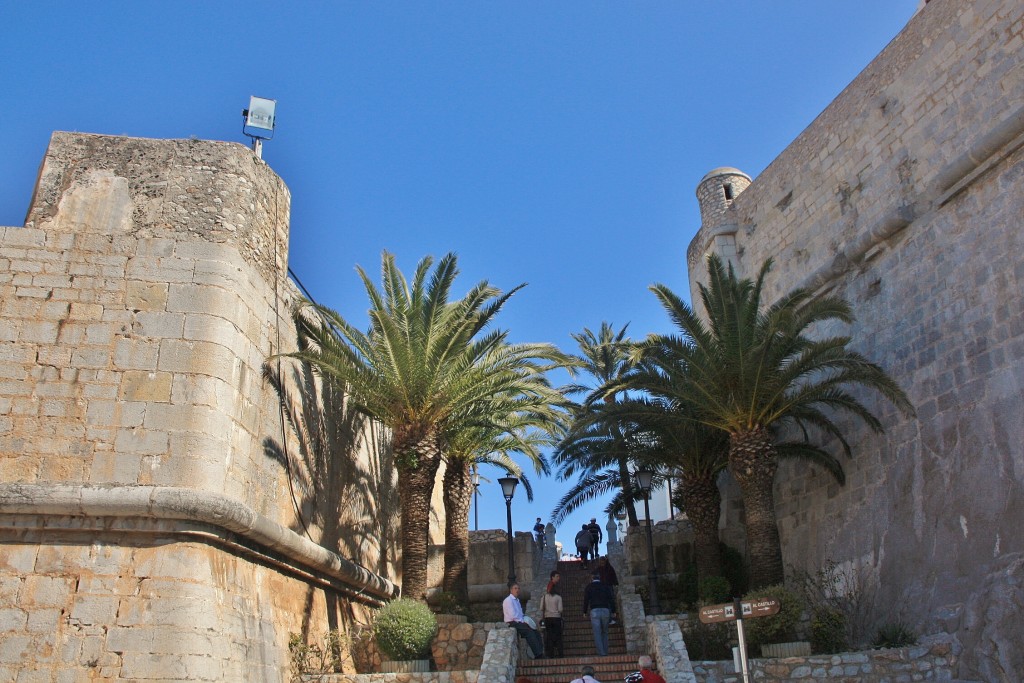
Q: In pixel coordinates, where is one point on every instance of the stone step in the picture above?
(610, 669)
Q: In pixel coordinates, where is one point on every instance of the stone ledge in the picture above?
(169, 503)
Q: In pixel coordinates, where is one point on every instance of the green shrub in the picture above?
(449, 603)
(734, 568)
(778, 628)
(404, 629)
(894, 634)
(828, 631)
(706, 642)
(310, 658)
(688, 590)
(715, 589)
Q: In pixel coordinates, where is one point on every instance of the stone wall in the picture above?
(935, 660)
(906, 197)
(672, 540)
(155, 517)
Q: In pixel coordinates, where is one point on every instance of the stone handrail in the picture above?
(171, 503)
(500, 656)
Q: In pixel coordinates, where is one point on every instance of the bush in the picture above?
(778, 628)
(707, 642)
(449, 603)
(404, 629)
(734, 569)
(310, 658)
(715, 589)
(894, 634)
(828, 631)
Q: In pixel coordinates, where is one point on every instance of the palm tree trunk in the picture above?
(702, 503)
(624, 478)
(752, 463)
(627, 490)
(458, 492)
(416, 486)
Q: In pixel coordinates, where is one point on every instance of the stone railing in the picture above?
(634, 619)
(669, 651)
(935, 659)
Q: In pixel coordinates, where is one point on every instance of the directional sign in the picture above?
(761, 608)
(749, 609)
(716, 613)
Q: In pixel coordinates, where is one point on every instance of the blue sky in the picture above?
(556, 143)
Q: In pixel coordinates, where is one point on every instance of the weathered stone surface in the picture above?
(905, 197)
(137, 308)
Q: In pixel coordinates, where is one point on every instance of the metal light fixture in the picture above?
(644, 479)
(259, 122)
(508, 489)
(476, 500)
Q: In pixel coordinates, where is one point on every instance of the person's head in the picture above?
(584, 527)
(587, 671)
(596, 577)
(538, 519)
(514, 589)
(645, 662)
(555, 577)
(593, 520)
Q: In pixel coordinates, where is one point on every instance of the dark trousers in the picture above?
(553, 637)
(532, 637)
(593, 547)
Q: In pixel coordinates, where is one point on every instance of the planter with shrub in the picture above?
(779, 628)
(403, 630)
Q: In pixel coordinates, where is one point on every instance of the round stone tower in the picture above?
(716, 192)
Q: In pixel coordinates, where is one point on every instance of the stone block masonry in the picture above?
(149, 496)
(906, 197)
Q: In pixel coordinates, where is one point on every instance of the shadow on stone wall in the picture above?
(341, 476)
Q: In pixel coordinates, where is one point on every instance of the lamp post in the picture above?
(476, 500)
(508, 489)
(643, 480)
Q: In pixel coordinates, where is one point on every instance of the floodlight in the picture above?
(259, 121)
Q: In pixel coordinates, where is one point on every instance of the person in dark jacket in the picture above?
(596, 535)
(608, 578)
(599, 604)
(583, 543)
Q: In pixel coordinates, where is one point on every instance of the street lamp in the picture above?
(508, 489)
(643, 480)
(476, 500)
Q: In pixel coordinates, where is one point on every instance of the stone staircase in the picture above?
(578, 639)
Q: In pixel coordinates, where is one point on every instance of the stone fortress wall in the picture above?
(148, 493)
(906, 197)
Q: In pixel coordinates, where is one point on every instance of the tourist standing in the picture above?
(583, 543)
(647, 672)
(551, 614)
(599, 605)
(512, 613)
(596, 536)
(608, 578)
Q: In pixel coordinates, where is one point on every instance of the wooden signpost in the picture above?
(737, 611)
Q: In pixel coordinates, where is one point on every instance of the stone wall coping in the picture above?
(172, 503)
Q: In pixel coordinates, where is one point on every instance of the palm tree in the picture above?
(753, 372)
(606, 356)
(415, 371)
(522, 418)
(696, 454)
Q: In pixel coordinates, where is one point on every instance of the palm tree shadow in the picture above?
(339, 467)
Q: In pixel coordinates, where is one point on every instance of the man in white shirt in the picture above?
(512, 614)
(586, 676)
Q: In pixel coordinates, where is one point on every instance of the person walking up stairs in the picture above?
(578, 639)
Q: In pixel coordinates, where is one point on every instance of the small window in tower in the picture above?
(728, 191)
